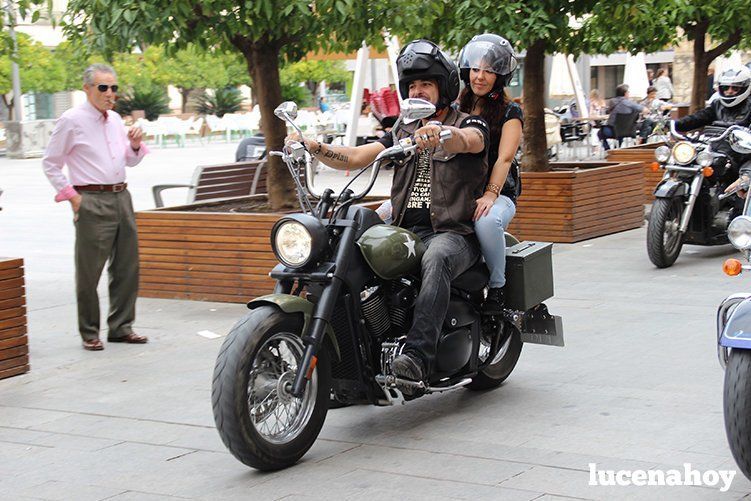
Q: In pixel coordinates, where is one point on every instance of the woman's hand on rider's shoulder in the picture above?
(484, 204)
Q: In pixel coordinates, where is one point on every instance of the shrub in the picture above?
(226, 100)
(152, 100)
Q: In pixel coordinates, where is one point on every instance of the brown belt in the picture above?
(116, 188)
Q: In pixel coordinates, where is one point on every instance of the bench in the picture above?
(220, 181)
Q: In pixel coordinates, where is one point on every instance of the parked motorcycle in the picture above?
(734, 343)
(688, 208)
(343, 303)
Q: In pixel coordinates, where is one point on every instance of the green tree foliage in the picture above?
(39, 70)
(541, 27)
(653, 25)
(263, 31)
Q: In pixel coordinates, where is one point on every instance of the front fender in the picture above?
(294, 304)
(669, 188)
(737, 330)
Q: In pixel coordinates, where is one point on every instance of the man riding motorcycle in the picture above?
(432, 195)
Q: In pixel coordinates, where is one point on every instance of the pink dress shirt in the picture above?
(95, 149)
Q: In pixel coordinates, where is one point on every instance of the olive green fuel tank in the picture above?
(390, 251)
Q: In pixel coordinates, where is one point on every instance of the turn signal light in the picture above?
(707, 171)
(655, 166)
(732, 267)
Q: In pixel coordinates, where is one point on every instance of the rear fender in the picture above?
(294, 304)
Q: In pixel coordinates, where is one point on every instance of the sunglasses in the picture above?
(103, 87)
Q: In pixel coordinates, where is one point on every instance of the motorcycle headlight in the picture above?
(739, 232)
(662, 154)
(298, 240)
(705, 159)
(684, 152)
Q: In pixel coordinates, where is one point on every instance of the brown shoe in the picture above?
(131, 338)
(93, 345)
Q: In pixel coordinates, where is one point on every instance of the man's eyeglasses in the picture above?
(736, 88)
(103, 87)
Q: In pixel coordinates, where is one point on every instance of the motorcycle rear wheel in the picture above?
(503, 363)
(737, 408)
(259, 421)
(664, 241)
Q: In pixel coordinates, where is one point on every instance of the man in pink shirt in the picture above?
(93, 142)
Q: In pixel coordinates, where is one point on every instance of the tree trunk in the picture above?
(703, 58)
(535, 157)
(8, 106)
(263, 65)
(185, 93)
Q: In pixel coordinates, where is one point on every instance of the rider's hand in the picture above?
(310, 144)
(428, 136)
(484, 204)
(740, 193)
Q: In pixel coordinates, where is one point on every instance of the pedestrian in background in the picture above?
(664, 85)
(93, 142)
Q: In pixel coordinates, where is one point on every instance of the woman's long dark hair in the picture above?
(492, 109)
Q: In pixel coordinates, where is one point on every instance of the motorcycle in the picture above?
(340, 312)
(688, 208)
(734, 341)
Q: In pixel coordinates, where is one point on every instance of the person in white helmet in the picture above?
(731, 107)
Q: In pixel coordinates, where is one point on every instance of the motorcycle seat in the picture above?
(474, 279)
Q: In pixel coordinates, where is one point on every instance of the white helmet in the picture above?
(740, 78)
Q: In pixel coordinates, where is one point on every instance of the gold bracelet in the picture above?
(493, 188)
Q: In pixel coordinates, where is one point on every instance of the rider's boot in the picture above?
(493, 304)
(411, 367)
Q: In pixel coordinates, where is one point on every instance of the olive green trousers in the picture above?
(106, 231)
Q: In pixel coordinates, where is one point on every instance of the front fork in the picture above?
(692, 196)
(324, 308)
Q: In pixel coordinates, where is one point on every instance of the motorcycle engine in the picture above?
(388, 308)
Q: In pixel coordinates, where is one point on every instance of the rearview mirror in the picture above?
(414, 109)
(287, 107)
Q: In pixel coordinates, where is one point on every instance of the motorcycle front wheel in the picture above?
(664, 240)
(737, 408)
(503, 363)
(261, 423)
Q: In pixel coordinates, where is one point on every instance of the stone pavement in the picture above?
(637, 386)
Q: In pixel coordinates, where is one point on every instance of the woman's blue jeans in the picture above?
(489, 230)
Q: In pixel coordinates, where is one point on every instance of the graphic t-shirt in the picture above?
(418, 205)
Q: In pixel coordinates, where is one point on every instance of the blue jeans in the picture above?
(489, 230)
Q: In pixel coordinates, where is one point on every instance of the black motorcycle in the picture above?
(343, 303)
(688, 206)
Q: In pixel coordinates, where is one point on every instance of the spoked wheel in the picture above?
(503, 362)
(261, 423)
(737, 407)
(664, 240)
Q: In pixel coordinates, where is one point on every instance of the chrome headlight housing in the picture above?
(684, 152)
(662, 154)
(739, 232)
(705, 159)
(298, 239)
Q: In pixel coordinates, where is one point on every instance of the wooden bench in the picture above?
(210, 182)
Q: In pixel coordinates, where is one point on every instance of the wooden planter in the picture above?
(579, 200)
(14, 348)
(645, 155)
(206, 256)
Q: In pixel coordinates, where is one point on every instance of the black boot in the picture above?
(411, 367)
(493, 304)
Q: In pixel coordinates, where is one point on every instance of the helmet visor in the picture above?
(731, 90)
(488, 56)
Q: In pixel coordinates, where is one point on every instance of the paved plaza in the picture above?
(637, 386)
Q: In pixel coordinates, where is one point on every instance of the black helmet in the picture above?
(492, 53)
(423, 60)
